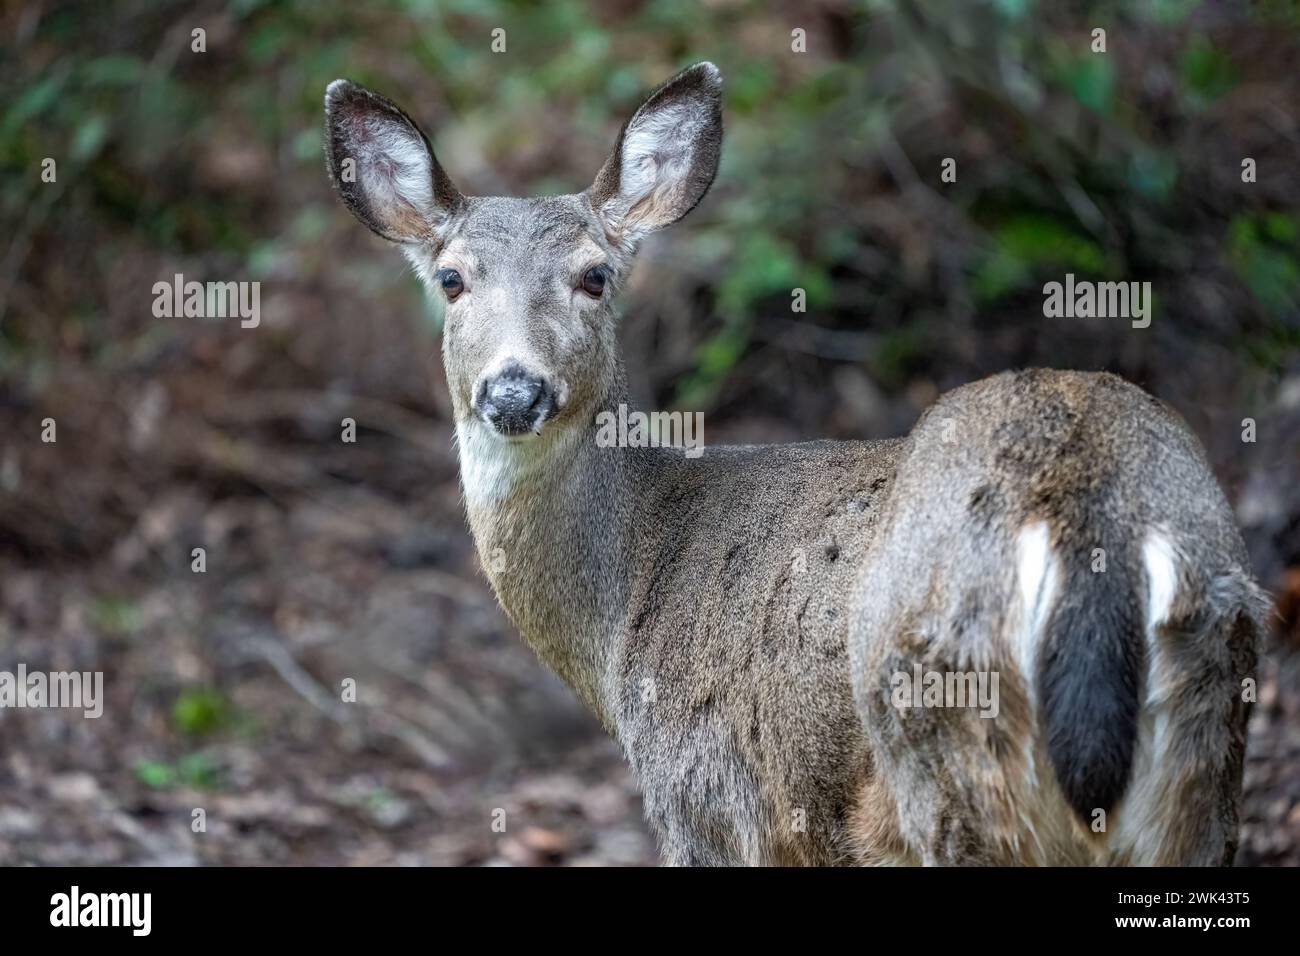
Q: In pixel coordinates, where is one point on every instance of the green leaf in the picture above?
(714, 360)
(1029, 241)
(200, 711)
(1092, 81)
(32, 102)
(155, 773)
(1263, 255)
(718, 355)
(197, 770)
(1280, 227)
(762, 265)
(113, 70)
(89, 137)
(1207, 72)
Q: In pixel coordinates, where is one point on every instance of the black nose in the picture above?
(514, 400)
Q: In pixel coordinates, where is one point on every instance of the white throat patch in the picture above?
(490, 466)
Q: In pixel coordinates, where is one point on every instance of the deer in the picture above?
(742, 621)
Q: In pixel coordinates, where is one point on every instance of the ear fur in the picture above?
(665, 158)
(383, 167)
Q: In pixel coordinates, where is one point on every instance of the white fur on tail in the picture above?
(1038, 578)
(1037, 573)
(1142, 818)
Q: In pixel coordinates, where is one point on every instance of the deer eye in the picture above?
(451, 283)
(594, 279)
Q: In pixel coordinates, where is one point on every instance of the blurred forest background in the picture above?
(328, 561)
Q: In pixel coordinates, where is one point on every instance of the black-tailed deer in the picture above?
(788, 641)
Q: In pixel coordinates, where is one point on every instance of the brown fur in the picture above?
(735, 620)
(1101, 463)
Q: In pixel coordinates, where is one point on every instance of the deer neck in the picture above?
(551, 519)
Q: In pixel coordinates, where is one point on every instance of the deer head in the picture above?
(528, 342)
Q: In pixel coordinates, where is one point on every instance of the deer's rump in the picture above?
(1054, 547)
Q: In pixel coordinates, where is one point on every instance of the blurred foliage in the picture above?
(1068, 160)
(197, 770)
(200, 710)
(117, 617)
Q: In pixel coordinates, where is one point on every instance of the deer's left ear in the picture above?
(383, 167)
(665, 158)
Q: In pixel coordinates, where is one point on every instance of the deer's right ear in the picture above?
(383, 167)
(665, 158)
